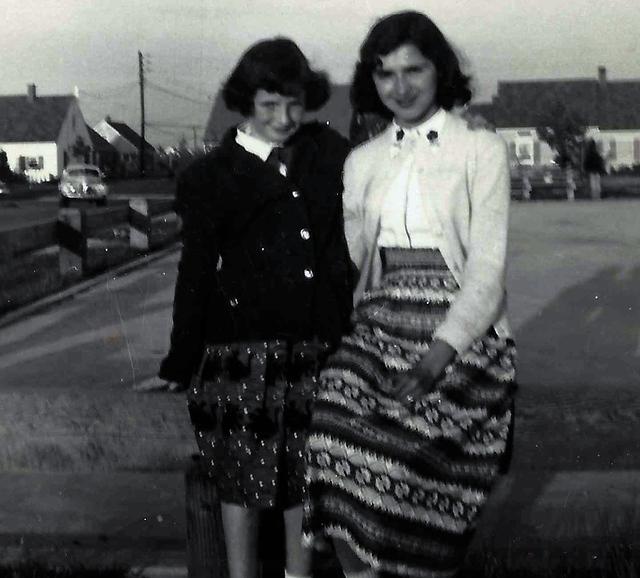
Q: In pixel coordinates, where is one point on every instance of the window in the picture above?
(636, 150)
(524, 152)
(613, 150)
(34, 163)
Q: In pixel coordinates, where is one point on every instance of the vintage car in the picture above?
(82, 182)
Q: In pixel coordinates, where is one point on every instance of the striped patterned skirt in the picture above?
(403, 483)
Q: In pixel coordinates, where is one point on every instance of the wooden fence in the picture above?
(41, 258)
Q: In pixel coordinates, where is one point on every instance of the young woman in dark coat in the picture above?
(263, 292)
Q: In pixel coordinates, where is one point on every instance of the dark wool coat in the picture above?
(264, 256)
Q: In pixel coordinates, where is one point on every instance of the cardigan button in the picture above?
(305, 234)
(295, 194)
(308, 273)
(233, 302)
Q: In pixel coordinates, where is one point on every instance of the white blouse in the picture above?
(406, 215)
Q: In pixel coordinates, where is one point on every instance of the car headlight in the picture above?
(67, 188)
(100, 189)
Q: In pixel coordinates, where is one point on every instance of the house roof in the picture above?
(99, 143)
(37, 120)
(336, 112)
(608, 105)
(128, 133)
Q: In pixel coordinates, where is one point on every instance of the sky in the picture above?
(189, 46)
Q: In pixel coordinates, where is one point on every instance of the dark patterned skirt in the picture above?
(250, 406)
(403, 483)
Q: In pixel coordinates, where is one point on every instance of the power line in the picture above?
(114, 91)
(186, 85)
(175, 125)
(176, 94)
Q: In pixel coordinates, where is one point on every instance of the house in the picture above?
(127, 142)
(42, 134)
(609, 109)
(103, 154)
(336, 113)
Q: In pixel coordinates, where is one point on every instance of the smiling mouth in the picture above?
(405, 103)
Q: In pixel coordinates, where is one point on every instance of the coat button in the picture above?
(308, 273)
(295, 194)
(305, 234)
(233, 302)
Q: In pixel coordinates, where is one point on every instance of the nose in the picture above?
(400, 85)
(283, 115)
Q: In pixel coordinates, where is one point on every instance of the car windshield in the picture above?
(83, 173)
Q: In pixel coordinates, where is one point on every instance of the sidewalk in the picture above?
(88, 466)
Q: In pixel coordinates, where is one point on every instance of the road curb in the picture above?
(51, 300)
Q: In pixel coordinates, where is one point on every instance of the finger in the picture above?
(409, 386)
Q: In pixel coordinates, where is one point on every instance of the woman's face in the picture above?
(276, 117)
(406, 82)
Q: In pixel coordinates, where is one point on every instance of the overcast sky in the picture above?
(190, 45)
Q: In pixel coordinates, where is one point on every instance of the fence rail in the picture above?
(36, 260)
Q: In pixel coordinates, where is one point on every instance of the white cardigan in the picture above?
(467, 177)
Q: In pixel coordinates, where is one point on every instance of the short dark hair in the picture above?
(390, 33)
(275, 65)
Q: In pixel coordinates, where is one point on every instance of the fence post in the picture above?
(72, 238)
(526, 188)
(140, 224)
(206, 553)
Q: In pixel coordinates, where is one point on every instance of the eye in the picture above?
(381, 74)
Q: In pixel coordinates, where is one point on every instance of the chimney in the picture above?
(602, 76)
(108, 118)
(31, 92)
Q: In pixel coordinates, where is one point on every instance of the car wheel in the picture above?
(64, 202)
(101, 202)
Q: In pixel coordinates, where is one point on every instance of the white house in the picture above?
(609, 109)
(42, 134)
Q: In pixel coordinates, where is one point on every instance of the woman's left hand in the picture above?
(421, 379)
(413, 384)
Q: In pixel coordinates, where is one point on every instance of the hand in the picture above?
(421, 378)
(157, 384)
(410, 385)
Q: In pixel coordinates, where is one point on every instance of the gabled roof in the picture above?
(128, 133)
(36, 120)
(337, 112)
(98, 143)
(608, 105)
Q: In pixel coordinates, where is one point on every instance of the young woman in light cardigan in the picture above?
(412, 424)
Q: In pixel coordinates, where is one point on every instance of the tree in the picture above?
(593, 161)
(563, 130)
(5, 169)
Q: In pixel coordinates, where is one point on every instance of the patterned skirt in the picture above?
(250, 406)
(403, 483)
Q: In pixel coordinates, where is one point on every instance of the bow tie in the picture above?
(279, 155)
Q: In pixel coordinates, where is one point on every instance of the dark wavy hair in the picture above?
(275, 65)
(390, 33)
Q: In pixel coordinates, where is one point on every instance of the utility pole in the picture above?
(195, 141)
(142, 141)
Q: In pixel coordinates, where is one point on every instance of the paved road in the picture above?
(66, 403)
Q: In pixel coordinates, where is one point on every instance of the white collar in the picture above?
(434, 123)
(252, 143)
